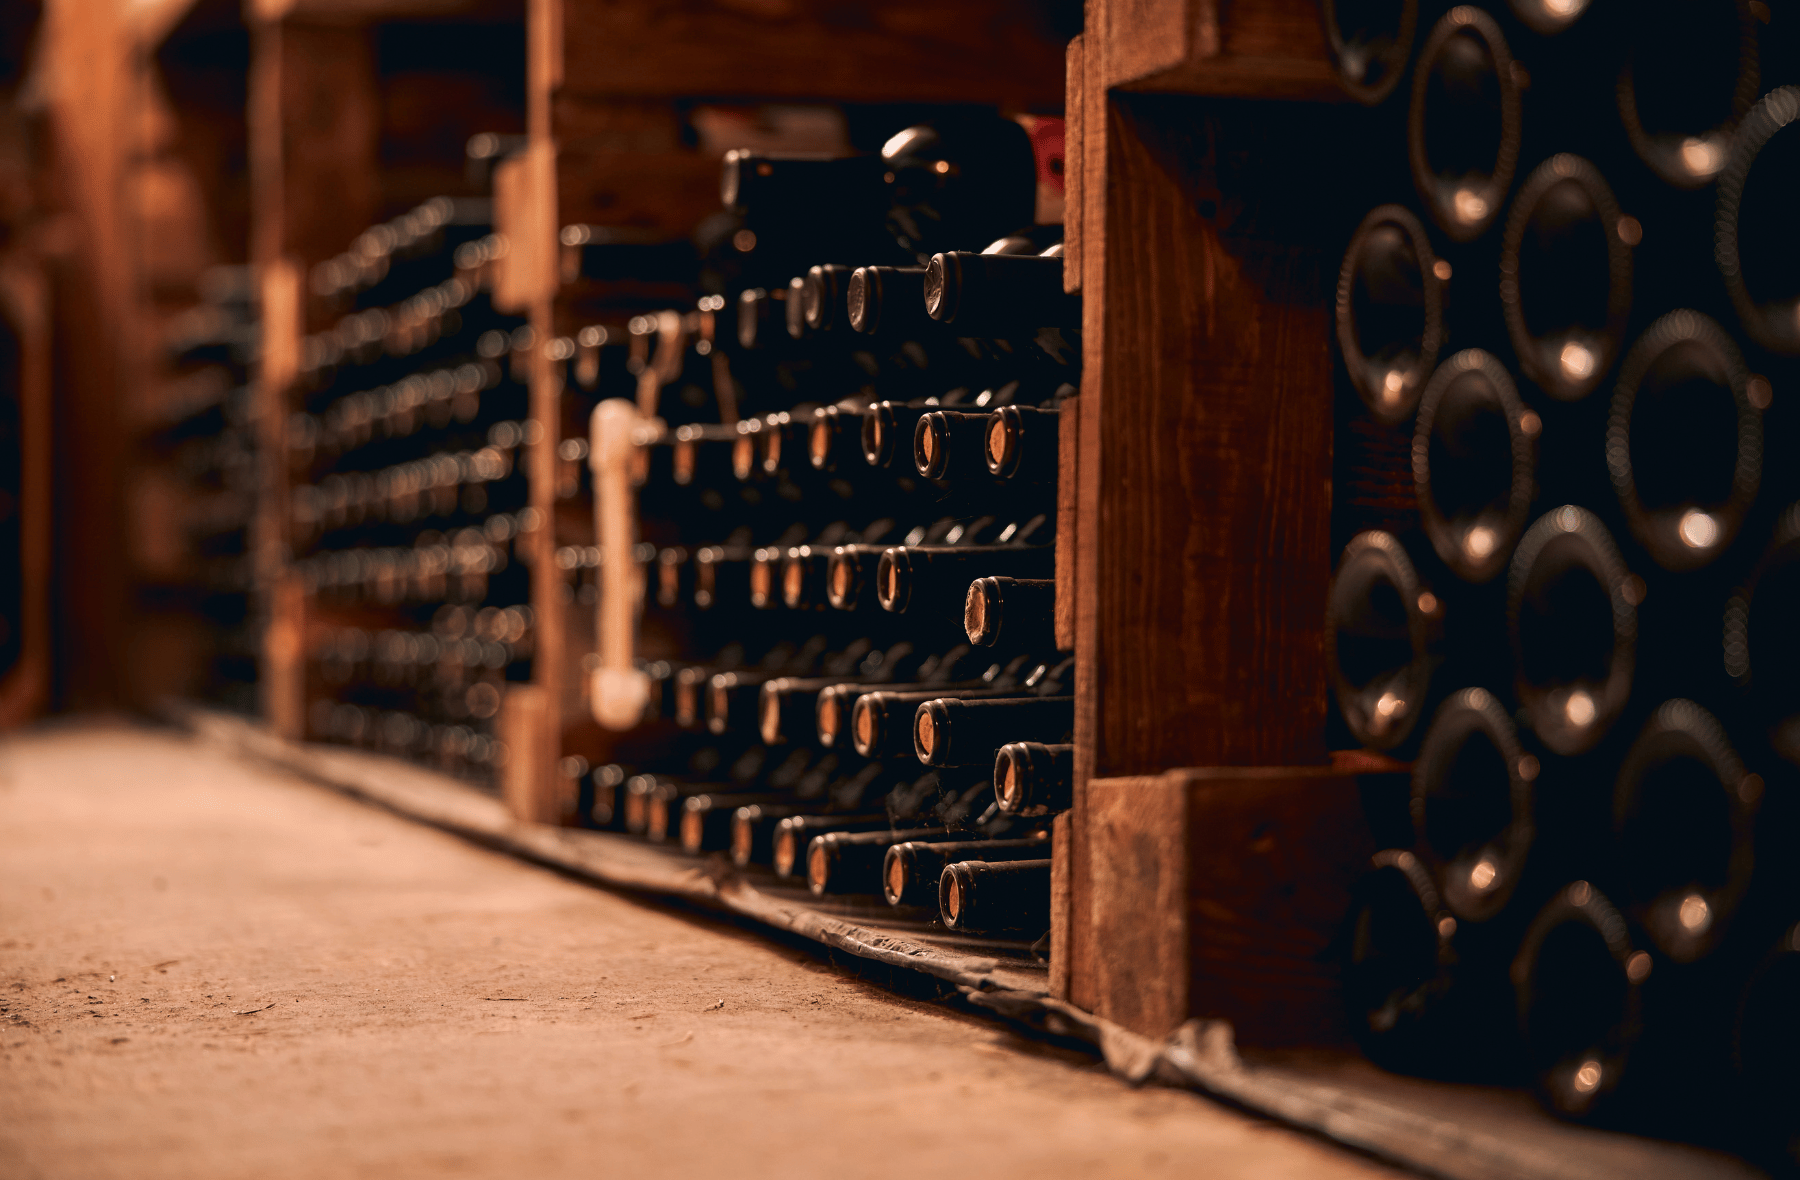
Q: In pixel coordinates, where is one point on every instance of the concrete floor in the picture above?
(211, 970)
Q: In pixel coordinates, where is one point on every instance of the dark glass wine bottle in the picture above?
(1474, 455)
(949, 731)
(1571, 613)
(1390, 312)
(1371, 44)
(1034, 778)
(1463, 125)
(1382, 633)
(1565, 277)
(1691, 72)
(986, 896)
(1685, 441)
(1017, 612)
(1757, 240)
(1578, 976)
(1684, 814)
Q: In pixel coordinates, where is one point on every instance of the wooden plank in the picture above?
(283, 600)
(1211, 486)
(1221, 892)
(1273, 49)
(1068, 521)
(1091, 211)
(528, 786)
(991, 51)
(314, 135)
(25, 306)
(532, 239)
(1138, 896)
(1073, 177)
(84, 66)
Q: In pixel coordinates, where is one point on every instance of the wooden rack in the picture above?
(1206, 866)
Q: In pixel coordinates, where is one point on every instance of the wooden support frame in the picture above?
(312, 173)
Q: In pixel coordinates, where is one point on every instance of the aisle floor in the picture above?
(212, 970)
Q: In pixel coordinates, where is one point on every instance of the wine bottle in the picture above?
(1577, 977)
(1684, 444)
(1370, 45)
(1472, 805)
(670, 577)
(821, 791)
(731, 699)
(999, 294)
(1684, 822)
(788, 703)
(721, 575)
(951, 731)
(1571, 612)
(1034, 778)
(803, 571)
(824, 298)
(1019, 611)
(1686, 82)
(1463, 124)
(793, 834)
(795, 209)
(1390, 312)
(1565, 277)
(889, 301)
(707, 818)
(703, 454)
(935, 578)
(951, 445)
(958, 180)
(1473, 461)
(808, 191)
(1398, 960)
(850, 862)
(911, 869)
(888, 425)
(606, 803)
(1757, 245)
(850, 575)
(881, 720)
(1022, 444)
(1382, 631)
(834, 439)
(986, 896)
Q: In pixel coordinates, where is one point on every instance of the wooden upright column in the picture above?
(313, 138)
(1205, 427)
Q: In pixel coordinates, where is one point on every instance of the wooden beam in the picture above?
(989, 51)
(1271, 49)
(1221, 893)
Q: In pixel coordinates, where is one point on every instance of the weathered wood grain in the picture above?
(1211, 487)
(1220, 893)
(1272, 49)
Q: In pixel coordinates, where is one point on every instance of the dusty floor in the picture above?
(208, 970)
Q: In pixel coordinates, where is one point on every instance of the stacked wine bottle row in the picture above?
(845, 534)
(208, 435)
(1565, 585)
(410, 495)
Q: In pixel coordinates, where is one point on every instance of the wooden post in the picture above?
(1204, 425)
(1220, 894)
(313, 127)
(25, 312)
